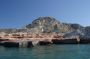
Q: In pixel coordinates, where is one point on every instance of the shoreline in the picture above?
(32, 43)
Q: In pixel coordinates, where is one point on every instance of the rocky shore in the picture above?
(45, 31)
(32, 43)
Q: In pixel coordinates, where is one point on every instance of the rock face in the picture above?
(50, 24)
(87, 32)
(66, 41)
(45, 25)
(12, 30)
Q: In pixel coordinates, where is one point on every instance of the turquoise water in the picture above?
(47, 52)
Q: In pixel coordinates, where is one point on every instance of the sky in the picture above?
(18, 13)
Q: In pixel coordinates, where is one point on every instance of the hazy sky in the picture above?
(18, 13)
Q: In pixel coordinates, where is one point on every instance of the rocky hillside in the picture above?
(45, 24)
(50, 24)
(12, 30)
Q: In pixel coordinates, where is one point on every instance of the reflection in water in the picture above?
(47, 52)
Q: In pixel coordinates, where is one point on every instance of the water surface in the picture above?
(47, 52)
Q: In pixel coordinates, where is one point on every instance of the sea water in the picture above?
(76, 51)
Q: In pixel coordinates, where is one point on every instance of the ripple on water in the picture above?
(47, 52)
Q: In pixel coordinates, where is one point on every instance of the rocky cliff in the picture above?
(50, 24)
